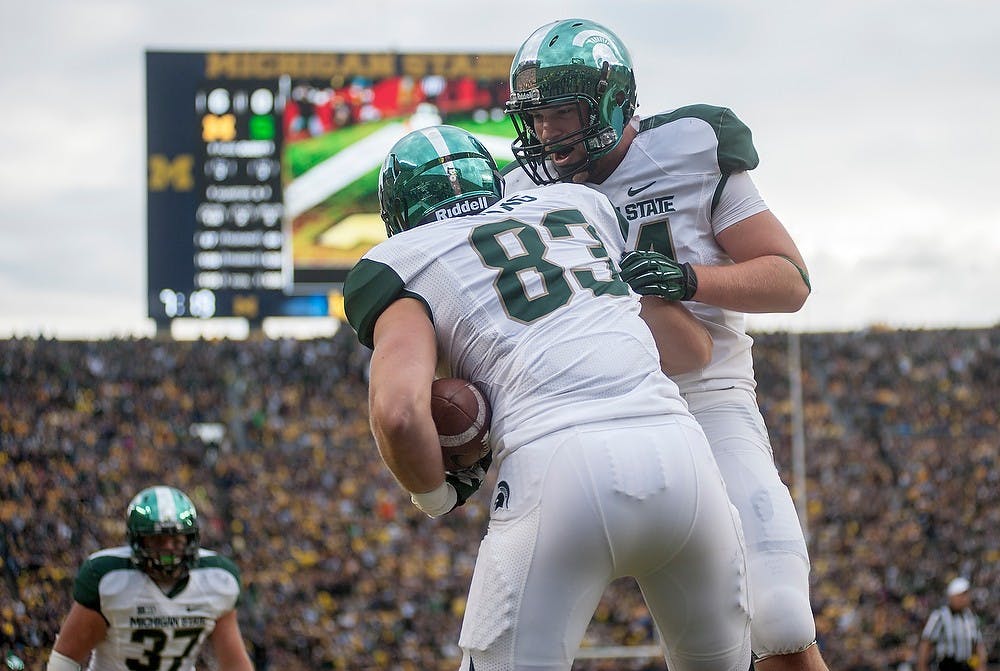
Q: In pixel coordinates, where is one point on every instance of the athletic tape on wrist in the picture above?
(436, 502)
(60, 662)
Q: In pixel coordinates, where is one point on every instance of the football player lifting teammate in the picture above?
(699, 232)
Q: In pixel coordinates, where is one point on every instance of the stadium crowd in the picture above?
(271, 440)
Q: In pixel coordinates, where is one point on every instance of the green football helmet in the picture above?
(567, 62)
(157, 511)
(435, 173)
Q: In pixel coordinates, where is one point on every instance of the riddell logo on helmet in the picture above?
(464, 207)
(530, 95)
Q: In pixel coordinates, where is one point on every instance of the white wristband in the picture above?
(436, 502)
(60, 662)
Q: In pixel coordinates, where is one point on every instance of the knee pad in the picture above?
(782, 614)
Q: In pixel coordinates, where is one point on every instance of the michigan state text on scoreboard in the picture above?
(263, 167)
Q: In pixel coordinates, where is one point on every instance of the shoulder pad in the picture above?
(735, 143)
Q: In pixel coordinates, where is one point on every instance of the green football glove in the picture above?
(468, 480)
(651, 273)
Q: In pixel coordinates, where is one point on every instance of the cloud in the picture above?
(923, 281)
(874, 121)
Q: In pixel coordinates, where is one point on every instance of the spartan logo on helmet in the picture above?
(433, 173)
(155, 515)
(574, 61)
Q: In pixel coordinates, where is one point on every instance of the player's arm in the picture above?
(80, 633)
(228, 646)
(399, 395)
(768, 273)
(684, 343)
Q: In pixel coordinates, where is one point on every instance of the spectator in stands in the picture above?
(292, 495)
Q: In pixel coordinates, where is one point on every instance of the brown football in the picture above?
(462, 416)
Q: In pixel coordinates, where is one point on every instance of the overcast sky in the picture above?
(877, 123)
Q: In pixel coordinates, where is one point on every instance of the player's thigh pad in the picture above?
(739, 440)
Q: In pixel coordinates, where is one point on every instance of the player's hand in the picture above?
(456, 489)
(468, 480)
(651, 273)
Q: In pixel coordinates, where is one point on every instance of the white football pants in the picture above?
(776, 548)
(578, 509)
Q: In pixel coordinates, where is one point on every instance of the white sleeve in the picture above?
(740, 199)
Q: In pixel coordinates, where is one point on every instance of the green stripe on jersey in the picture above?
(86, 587)
(369, 289)
(736, 151)
(88, 579)
(213, 560)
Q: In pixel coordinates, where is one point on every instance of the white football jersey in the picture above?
(525, 303)
(148, 629)
(683, 181)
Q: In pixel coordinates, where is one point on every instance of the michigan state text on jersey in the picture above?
(152, 604)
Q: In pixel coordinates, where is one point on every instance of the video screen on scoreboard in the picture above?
(263, 167)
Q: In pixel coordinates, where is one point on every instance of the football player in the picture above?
(601, 470)
(700, 232)
(153, 603)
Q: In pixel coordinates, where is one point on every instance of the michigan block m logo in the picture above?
(164, 173)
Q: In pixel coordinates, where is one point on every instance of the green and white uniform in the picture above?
(682, 182)
(147, 629)
(511, 302)
(671, 188)
(601, 470)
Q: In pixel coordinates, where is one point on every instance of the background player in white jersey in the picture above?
(601, 471)
(152, 604)
(704, 235)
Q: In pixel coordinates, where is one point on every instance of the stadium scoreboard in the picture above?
(262, 168)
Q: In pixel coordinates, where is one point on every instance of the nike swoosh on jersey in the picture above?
(632, 191)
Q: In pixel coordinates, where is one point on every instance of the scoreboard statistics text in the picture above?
(263, 166)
